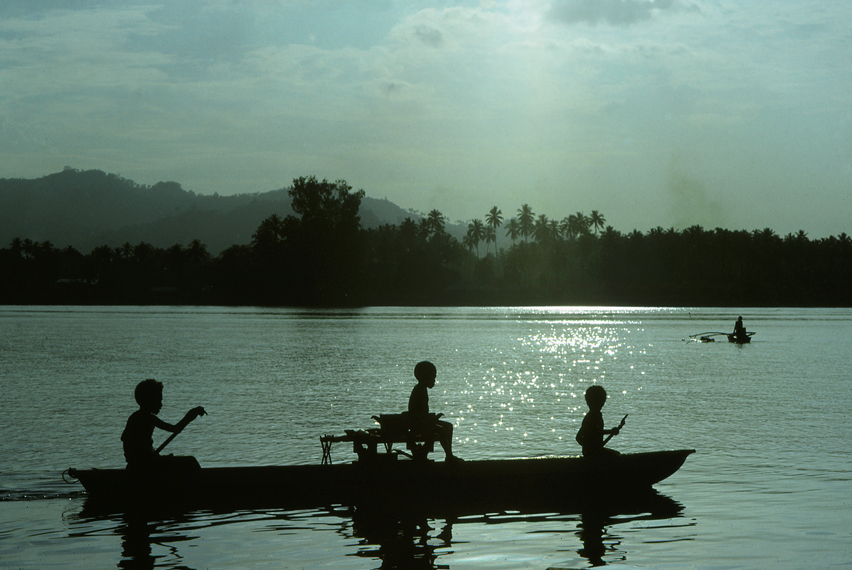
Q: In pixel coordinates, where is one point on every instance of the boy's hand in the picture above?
(195, 412)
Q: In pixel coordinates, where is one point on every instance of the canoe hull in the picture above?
(386, 480)
(743, 339)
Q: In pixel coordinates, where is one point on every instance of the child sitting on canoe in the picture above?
(138, 433)
(418, 409)
(591, 432)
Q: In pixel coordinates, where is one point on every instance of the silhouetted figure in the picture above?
(591, 432)
(739, 333)
(138, 435)
(418, 409)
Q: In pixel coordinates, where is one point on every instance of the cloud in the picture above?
(613, 12)
(429, 35)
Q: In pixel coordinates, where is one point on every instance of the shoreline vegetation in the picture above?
(323, 257)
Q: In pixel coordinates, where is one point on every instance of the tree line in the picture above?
(321, 256)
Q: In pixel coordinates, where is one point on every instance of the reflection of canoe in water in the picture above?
(407, 535)
(384, 480)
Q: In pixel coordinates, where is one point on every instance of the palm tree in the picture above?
(467, 241)
(17, 246)
(493, 219)
(490, 237)
(766, 234)
(575, 225)
(656, 232)
(126, 251)
(513, 230)
(436, 222)
(583, 223)
(553, 229)
(542, 233)
(570, 227)
(197, 252)
(611, 233)
(476, 230)
(28, 248)
(597, 220)
(268, 233)
(526, 220)
(565, 227)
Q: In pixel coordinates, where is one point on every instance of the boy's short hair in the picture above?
(424, 370)
(595, 395)
(147, 390)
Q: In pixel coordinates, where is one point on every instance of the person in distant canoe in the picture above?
(418, 408)
(139, 431)
(739, 329)
(591, 433)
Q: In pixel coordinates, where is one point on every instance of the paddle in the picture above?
(194, 412)
(621, 425)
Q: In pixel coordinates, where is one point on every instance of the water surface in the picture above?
(769, 485)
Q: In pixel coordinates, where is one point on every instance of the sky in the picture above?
(666, 113)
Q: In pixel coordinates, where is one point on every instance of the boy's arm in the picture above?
(190, 415)
(615, 430)
(163, 425)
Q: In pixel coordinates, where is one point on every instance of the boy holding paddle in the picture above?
(591, 432)
(138, 433)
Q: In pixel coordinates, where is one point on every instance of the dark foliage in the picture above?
(321, 256)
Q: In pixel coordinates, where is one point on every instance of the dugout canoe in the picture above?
(388, 480)
(740, 339)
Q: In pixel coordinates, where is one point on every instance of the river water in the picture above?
(770, 484)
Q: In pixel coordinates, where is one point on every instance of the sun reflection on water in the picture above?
(533, 389)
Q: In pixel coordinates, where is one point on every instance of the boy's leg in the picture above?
(445, 433)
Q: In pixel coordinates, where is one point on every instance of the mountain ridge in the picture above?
(90, 208)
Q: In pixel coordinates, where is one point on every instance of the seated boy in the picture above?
(591, 432)
(418, 409)
(138, 433)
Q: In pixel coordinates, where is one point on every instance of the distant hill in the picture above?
(87, 209)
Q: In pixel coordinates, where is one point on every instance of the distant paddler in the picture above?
(739, 330)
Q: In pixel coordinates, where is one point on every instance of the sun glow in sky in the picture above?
(654, 112)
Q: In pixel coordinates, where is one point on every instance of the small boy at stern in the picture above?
(592, 432)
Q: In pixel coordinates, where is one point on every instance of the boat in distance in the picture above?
(734, 338)
(504, 483)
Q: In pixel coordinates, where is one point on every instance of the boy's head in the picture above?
(595, 397)
(425, 372)
(149, 394)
